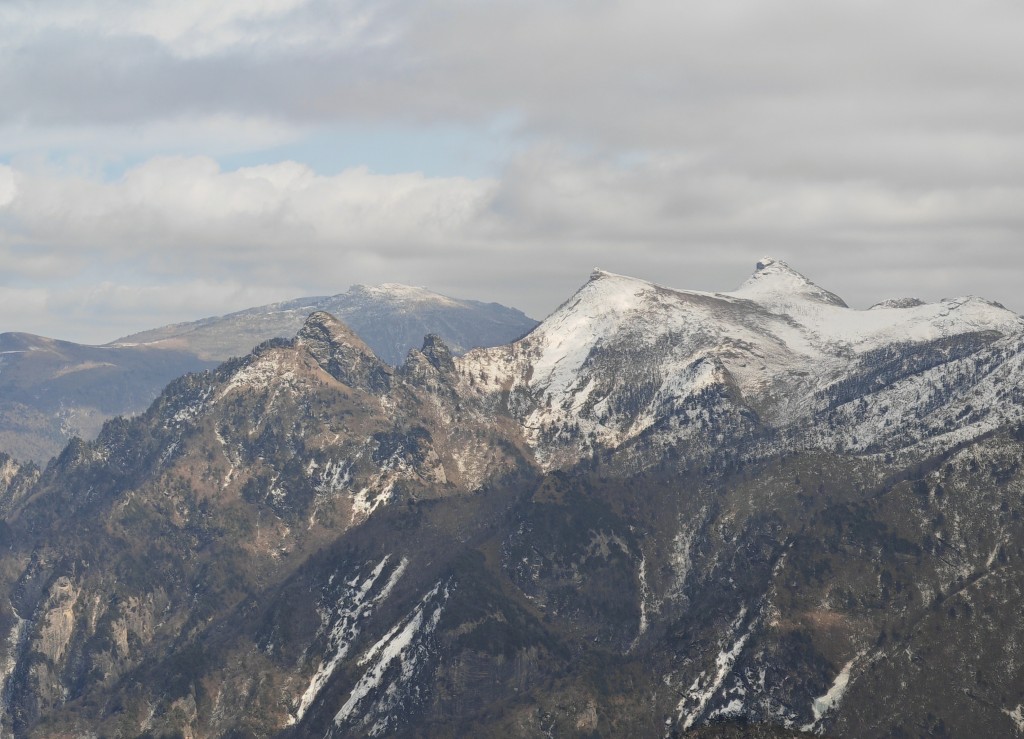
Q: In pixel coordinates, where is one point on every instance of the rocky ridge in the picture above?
(624, 356)
(52, 390)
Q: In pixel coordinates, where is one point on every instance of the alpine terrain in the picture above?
(52, 390)
(660, 513)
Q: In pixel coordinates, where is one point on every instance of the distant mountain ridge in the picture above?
(51, 390)
(391, 318)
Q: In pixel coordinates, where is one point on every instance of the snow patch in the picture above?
(192, 411)
(733, 708)
(334, 477)
(233, 458)
(410, 294)
(703, 689)
(269, 370)
(645, 594)
(369, 498)
(355, 604)
(830, 701)
(402, 647)
(10, 662)
(679, 558)
(1017, 716)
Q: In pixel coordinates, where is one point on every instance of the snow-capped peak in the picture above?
(775, 282)
(398, 293)
(622, 352)
(766, 262)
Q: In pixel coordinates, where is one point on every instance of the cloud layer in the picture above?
(878, 148)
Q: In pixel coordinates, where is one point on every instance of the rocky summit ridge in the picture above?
(53, 390)
(660, 512)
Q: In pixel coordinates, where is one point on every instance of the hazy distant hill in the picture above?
(51, 390)
(391, 319)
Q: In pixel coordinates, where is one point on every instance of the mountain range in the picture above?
(661, 512)
(52, 390)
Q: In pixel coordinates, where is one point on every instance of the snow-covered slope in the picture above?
(623, 355)
(832, 328)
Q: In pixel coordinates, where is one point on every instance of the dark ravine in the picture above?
(607, 528)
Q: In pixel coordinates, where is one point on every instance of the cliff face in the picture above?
(659, 511)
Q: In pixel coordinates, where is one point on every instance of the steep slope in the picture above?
(648, 517)
(52, 390)
(391, 319)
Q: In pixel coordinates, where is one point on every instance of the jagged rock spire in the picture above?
(342, 354)
(438, 353)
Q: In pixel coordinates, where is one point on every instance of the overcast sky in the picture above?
(164, 161)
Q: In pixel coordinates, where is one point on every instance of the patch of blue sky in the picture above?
(433, 150)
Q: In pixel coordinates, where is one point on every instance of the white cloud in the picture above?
(184, 220)
(22, 302)
(148, 304)
(8, 185)
(877, 146)
(527, 238)
(195, 28)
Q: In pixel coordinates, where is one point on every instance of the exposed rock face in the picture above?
(16, 480)
(343, 354)
(661, 512)
(899, 303)
(438, 353)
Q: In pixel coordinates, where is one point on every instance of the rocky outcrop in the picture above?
(343, 354)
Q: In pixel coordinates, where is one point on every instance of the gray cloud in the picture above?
(528, 237)
(878, 147)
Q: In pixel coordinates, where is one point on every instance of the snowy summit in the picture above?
(623, 353)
